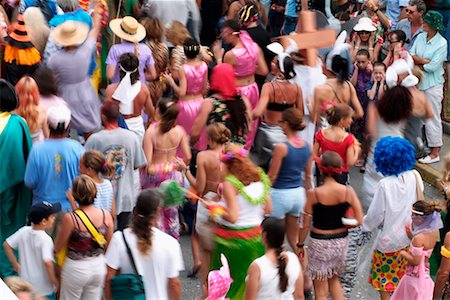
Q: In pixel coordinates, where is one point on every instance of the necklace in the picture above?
(240, 187)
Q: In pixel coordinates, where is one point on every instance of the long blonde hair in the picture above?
(28, 93)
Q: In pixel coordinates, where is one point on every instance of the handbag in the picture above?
(128, 286)
(419, 192)
(98, 237)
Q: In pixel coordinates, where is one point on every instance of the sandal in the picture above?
(194, 271)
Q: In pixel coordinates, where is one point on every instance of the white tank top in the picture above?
(269, 278)
(249, 215)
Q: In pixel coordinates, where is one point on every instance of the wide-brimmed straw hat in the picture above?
(128, 29)
(364, 24)
(70, 33)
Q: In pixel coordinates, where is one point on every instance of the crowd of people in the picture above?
(190, 117)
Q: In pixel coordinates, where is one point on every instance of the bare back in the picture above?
(209, 162)
(164, 145)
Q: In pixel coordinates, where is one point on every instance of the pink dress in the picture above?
(246, 60)
(416, 284)
(189, 109)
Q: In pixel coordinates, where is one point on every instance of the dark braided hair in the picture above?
(275, 231)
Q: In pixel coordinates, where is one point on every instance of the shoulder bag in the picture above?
(128, 286)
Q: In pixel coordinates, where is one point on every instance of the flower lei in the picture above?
(240, 187)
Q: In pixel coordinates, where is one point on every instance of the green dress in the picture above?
(15, 198)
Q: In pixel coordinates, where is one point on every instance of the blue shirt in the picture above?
(393, 10)
(51, 168)
(290, 9)
(405, 26)
(436, 51)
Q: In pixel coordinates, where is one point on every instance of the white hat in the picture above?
(70, 33)
(364, 24)
(59, 114)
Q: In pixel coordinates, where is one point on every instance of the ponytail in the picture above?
(281, 258)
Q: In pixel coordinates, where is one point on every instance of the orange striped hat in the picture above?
(19, 36)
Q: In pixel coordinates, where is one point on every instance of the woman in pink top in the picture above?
(247, 60)
(337, 139)
(193, 76)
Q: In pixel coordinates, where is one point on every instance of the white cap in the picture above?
(58, 114)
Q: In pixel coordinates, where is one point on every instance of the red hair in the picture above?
(28, 93)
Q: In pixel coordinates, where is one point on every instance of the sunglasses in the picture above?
(392, 42)
(363, 32)
(410, 11)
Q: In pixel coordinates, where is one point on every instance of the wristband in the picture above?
(376, 10)
(300, 245)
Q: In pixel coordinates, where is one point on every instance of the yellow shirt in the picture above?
(4, 118)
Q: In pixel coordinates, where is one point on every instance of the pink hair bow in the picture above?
(219, 281)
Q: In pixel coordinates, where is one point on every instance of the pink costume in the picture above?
(246, 60)
(416, 284)
(219, 281)
(189, 109)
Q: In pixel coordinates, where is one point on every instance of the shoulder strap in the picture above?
(419, 192)
(334, 91)
(130, 255)
(98, 237)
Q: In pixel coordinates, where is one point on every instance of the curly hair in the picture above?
(294, 118)
(28, 93)
(395, 105)
(143, 214)
(393, 156)
(177, 33)
(241, 167)
(338, 112)
(218, 133)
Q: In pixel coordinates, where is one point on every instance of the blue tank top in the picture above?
(290, 175)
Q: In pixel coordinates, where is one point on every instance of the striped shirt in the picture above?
(104, 195)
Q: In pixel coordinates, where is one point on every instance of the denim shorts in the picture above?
(290, 23)
(287, 202)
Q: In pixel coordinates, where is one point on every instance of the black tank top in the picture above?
(328, 217)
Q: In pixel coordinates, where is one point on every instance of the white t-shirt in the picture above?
(269, 278)
(164, 260)
(35, 247)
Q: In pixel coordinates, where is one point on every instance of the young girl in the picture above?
(30, 110)
(417, 283)
(277, 274)
(92, 164)
(336, 139)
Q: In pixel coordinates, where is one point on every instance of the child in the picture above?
(417, 284)
(35, 249)
(360, 78)
(277, 274)
(93, 163)
(377, 86)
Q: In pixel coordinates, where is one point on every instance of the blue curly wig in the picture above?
(393, 156)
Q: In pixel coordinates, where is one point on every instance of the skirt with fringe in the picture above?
(327, 253)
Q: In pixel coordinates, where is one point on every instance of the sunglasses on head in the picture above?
(363, 32)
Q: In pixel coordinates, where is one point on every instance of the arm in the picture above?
(437, 61)
(148, 145)
(148, 105)
(375, 214)
(372, 116)
(278, 154)
(263, 101)
(110, 70)
(71, 199)
(45, 128)
(201, 120)
(180, 89)
(198, 182)
(299, 290)
(109, 233)
(268, 205)
(443, 271)
(253, 277)
(385, 20)
(356, 105)
(96, 20)
(150, 73)
(184, 146)
(110, 273)
(299, 102)
(174, 288)
(306, 218)
(64, 233)
(317, 104)
(261, 65)
(229, 58)
(354, 79)
(352, 153)
(50, 267)
(356, 205)
(231, 212)
(12, 258)
(414, 260)
(371, 93)
(308, 171)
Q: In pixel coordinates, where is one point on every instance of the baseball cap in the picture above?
(42, 210)
(58, 115)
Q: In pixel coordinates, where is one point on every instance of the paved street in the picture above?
(191, 287)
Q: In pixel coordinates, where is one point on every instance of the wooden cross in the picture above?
(308, 37)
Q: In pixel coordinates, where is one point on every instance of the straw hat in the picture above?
(364, 24)
(128, 29)
(70, 33)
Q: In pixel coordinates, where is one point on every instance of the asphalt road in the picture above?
(191, 287)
